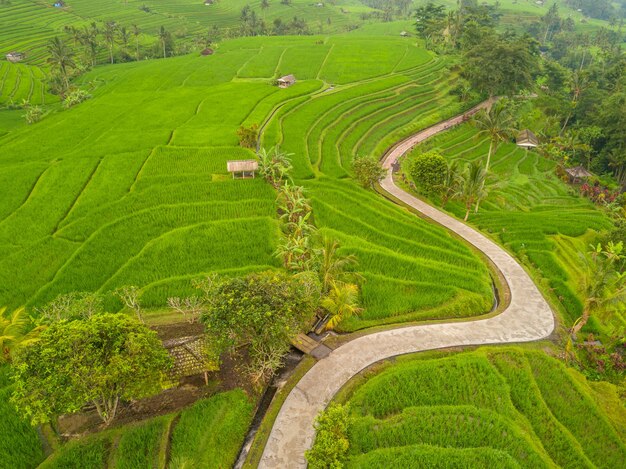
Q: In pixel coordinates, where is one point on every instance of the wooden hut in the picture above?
(190, 357)
(527, 139)
(578, 174)
(286, 81)
(242, 168)
(14, 57)
(207, 51)
(404, 34)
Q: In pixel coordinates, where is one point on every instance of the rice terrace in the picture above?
(290, 234)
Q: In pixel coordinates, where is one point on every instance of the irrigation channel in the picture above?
(527, 318)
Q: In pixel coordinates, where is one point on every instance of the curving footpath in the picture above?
(527, 318)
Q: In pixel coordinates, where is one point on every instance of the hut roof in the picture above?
(207, 51)
(527, 138)
(234, 166)
(189, 355)
(287, 79)
(578, 172)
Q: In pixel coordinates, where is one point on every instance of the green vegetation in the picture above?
(20, 443)
(210, 433)
(207, 434)
(512, 407)
(529, 210)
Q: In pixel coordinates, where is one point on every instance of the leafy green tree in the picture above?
(497, 124)
(262, 311)
(248, 136)
(100, 360)
(61, 57)
(428, 171)
(500, 66)
(368, 171)
(331, 442)
(341, 302)
(430, 21)
(17, 329)
(472, 186)
(604, 282)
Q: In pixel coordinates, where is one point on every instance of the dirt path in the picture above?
(527, 318)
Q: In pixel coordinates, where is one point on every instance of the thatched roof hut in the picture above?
(189, 354)
(245, 168)
(286, 81)
(207, 51)
(578, 173)
(14, 57)
(527, 139)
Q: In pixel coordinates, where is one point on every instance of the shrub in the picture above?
(331, 443)
(248, 135)
(429, 171)
(75, 97)
(367, 170)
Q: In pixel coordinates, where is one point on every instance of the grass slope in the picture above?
(504, 407)
(130, 187)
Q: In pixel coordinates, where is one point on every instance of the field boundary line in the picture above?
(319, 72)
(30, 192)
(527, 318)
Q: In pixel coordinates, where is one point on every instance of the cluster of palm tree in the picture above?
(17, 329)
(298, 246)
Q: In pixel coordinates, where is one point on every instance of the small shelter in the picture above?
(404, 34)
(578, 174)
(207, 51)
(245, 168)
(14, 57)
(286, 81)
(189, 355)
(527, 139)
(208, 2)
(59, 4)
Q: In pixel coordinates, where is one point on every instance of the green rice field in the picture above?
(493, 407)
(530, 211)
(131, 186)
(208, 434)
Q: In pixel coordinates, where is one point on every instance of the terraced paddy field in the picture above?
(131, 186)
(531, 212)
(207, 434)
(20, 82)
(27, 25)
(492, 407)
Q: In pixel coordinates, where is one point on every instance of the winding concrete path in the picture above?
(527, 318)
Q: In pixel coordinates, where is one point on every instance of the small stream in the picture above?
(278, 381)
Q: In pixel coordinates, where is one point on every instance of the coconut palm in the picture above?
(334, 267)
(136, 31)
(62, 57)
(497, 124)
(472, 186)
(16, 330)
(451, 182)
(341, 302)
(109, 33)
(604, 282)
(163, 37)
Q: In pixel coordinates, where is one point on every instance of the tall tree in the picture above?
(109, 33)
(163, 38)
(61, 57)
(497, 124)
(136, 33)
(472, 186)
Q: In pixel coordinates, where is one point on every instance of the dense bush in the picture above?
(331, 442)
(429, 171)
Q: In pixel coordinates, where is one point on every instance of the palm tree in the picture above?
(578, 83)
(62, 57)
(341, 302)
(16, 330)
(163, 36)
(604, 282)
(472, 186)
(333, 266)
(124, 38)
(451, 182)
(110, 28)
(136, 32)
(497, 124)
